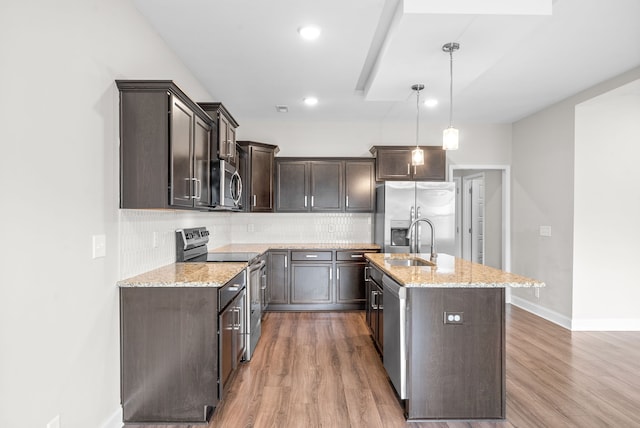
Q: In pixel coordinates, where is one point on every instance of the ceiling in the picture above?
(511, 62)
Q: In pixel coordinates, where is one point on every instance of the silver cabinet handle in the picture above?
(330, 274)
(311, 256)
(337, 274)
(408, 169)
(366, 273)
(305, 201)
(199, 189)
(357, 256)
(254, 200)
(285, 261)
(311, 201)
(233, 288)
(347, 201)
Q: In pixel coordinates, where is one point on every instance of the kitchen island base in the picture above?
(455, 354)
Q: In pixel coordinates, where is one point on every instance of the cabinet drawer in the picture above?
(353, 256)
(311, 256)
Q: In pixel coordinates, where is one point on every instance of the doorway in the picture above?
(483, 223)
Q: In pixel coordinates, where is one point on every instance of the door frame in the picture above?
(466, 217)
(506, 205)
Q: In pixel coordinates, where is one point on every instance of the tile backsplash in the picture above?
(147, 237)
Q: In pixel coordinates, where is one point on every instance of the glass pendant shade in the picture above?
(450, 138)
(417, 156)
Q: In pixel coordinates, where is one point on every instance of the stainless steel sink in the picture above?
(408, 262)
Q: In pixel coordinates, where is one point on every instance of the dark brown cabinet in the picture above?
(394, 163)
(359, 185)
(224, 140)
(350, 284)
(172, 332)
(165, 147)
(278, 277)
(324, 185)
(311, 277)
(232, 338)
(374, 306)
(258, 175)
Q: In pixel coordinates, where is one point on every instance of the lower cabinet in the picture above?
(179, 347)
(316, 279)
(374, 306)
(169, 354)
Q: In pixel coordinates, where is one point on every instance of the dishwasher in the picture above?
(395, 339)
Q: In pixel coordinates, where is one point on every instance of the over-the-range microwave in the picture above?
(226, 186)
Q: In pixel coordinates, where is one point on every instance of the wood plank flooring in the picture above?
(321, 370)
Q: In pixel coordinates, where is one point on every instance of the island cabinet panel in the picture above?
(455, 370)
(169, 354)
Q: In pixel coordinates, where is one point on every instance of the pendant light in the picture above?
(417, 154)
(450, 135)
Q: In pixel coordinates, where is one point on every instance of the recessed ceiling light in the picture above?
(282, 109)
(309, 32)
(310, 101)
(430, 102)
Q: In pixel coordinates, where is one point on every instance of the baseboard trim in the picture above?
(606, 324)
(115, 420)
(542, 312)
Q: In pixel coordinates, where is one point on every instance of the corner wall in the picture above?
(543, 171)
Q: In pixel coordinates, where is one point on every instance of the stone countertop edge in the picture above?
(186, 275)
(449, 272)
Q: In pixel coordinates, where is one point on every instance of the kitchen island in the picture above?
(440, 328)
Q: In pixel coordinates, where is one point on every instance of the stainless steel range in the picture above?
(191, 246)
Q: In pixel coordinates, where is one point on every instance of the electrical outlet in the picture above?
(54, 423)
(454, 317)
(99, 246)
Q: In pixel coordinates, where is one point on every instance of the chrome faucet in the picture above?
(414, 246)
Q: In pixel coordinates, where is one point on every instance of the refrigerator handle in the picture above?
(418, 231)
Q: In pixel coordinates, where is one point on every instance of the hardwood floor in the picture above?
(321, 370)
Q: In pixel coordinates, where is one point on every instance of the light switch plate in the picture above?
(99, 246)
(545, 230)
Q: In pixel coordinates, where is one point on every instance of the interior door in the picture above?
(473, 213)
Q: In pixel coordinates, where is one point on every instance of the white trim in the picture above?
(506, 206)
(542, 312)
(606, 324)
(115, 420)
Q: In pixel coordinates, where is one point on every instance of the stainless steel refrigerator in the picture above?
(398, 203)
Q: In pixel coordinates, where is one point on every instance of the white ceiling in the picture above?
(248, 55)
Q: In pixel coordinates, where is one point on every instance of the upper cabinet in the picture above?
(165, 147)
(394, 163)
(224, 141)
(256, 166)
(324, 185)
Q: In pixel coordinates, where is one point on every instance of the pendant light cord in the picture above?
(451, 88)
(418, 118)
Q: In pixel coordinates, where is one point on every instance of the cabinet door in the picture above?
(311, 282)
(326, 186)
(226, 345)
(202, 163)
(350, 281)
(435, 165)
(239, 328)
(182, 121)
(232, 152)
(291, 192)
(393, 164)
(380, 319)
(278, 277)
(359, 186)
(223, 140)
(261, 197)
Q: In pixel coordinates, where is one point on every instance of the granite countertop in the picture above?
(449, 272)
(186, 275)
(202, 274)
(261, 248)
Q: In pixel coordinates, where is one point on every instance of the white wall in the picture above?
(59, 338)
(607, 209)
(543, 168)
